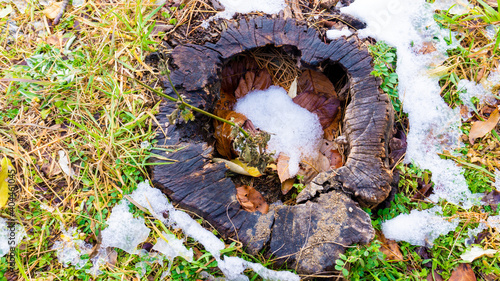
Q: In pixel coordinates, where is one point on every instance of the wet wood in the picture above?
(328, 217)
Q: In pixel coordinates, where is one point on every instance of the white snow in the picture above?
(173, 247)
(407, 25)
(294, 130)
(124, 231)
(335, 33)
(483, 91)
(232, 267)
(247, 6)
(70, 249)
(5, 233)
(494, 222)
(419, 227)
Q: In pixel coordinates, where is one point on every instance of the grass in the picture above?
(63, 89)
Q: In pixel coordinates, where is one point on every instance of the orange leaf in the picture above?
(310, 168)
(260, 81)
(390, 248)
(282, 167)
(222, 132)
(463, 273)
(481, 128)
(287, 185)
(329, 149)
(251, 200)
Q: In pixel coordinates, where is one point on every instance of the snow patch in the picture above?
(335, 33)
(245, 6)
(124, 231)
(494, 222)
(6, 233)
(294, 130)
(173, 247)
(232, 267)
(483, 91)
(70, 249)
(435, 127)
(419, 228)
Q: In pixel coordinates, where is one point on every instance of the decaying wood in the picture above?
(327, 220)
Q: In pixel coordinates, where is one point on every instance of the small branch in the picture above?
(245, 133)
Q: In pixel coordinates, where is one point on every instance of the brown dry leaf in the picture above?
(282, 167)
(296, 9)
(251, 200)
(310, 168)
(435, 277)
(463, 272)
(428, 47)
(330, 151)
(390, 248)
(287, 185)
(252, 81)
(481, 128)
(325, 108)
(222, 132)
(330, 132)
(232, 73)
(52, 10)
(336, 159)
(317, 83)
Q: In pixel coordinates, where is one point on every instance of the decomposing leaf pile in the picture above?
(312, 90)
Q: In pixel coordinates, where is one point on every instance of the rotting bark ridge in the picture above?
(308, 236)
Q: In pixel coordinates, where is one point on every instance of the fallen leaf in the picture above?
(222, 132)
(423, 192)
(463, 273)
(236, 166)
(317, 83)
(481, 128)
(330, 151)
(427, 47)
(6, 167)
(390, 248)
(310, 168)
(287, 185)
(253, 81)
(296, 9)
(232, 73)
(282, 167)
(65, 164)
(52, 10)
(292, 92)
(251, 200)
(397, 146)
(325, 108)
(476, 252)
(330, 132)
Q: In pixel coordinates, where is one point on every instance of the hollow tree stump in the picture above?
(308, 236)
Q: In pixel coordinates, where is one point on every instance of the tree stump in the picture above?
(309, 236)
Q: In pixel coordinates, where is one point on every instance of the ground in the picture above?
(67, 95)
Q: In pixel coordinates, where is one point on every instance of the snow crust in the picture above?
(5, 233)
(418, 227)
(232, 267)
(335, 33)
(70, 249)
(247, 6)
(294, 130)
(407, 25)
(124, 231)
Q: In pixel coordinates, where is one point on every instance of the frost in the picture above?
(17, 233)
(419, 227)
(335, 33)
(245, 6)
(435, 127)
(124, 231)
(232, 267)
(494, 222)
(294, 130)
(70, 249)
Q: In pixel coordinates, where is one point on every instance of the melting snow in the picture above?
(335, 33)
(483, 91)
(419, 227)
(232, 267)
(407, 25)
(70, 249)
(294, 130)
(5, 233)
(124, 231)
